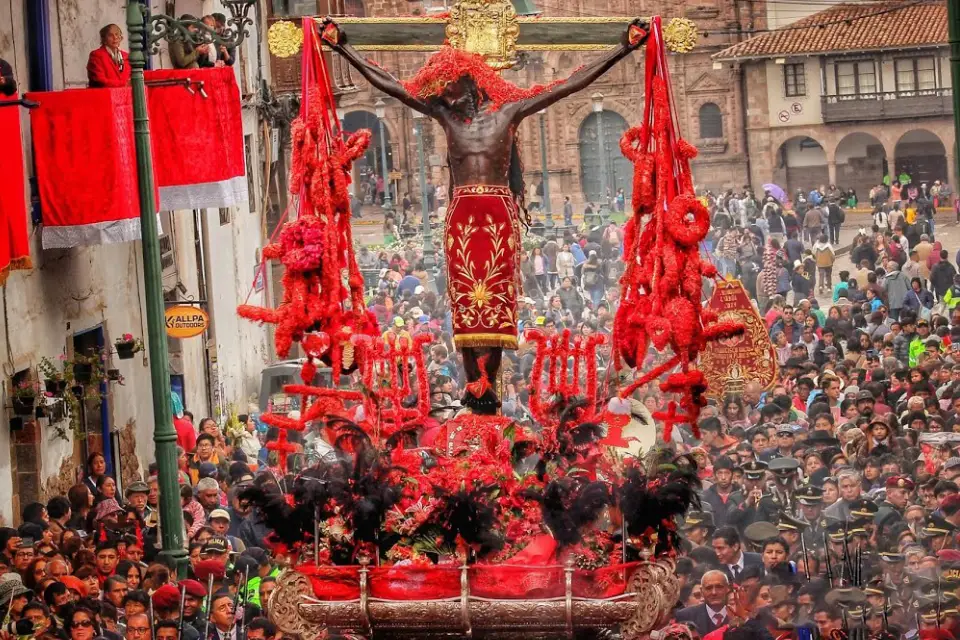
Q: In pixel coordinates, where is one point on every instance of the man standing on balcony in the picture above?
(8, 86)
(108, 66)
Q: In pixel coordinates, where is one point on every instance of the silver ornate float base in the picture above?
(651, 595)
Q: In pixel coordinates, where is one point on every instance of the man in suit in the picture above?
(108, 66)
(712, 614)
(727, 546)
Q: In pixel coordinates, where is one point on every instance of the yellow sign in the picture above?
(184, 321)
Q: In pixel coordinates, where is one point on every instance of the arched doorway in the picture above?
(922, 156)
(619, 171)
(801, 163)
(368, 168)
(861, 163)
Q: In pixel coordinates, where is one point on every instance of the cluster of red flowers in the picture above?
(449, 65)
(661, 289)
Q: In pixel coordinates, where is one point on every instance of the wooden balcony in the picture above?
(887, 105)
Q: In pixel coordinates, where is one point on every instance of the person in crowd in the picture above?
(109, 66)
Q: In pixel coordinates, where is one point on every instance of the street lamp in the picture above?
(543, 168)
(380, 108)
(598, 109)
(429, 260)
(145, 35)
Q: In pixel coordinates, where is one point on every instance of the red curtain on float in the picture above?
(86, 167)
(14, 243)
(86, 159)
(198, 155)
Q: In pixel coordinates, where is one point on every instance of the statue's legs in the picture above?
(481, 363)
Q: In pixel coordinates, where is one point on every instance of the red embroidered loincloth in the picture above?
(482, 242)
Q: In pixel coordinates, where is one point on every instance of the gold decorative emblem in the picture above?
(485, 27)
(285, 39)
(680, 35)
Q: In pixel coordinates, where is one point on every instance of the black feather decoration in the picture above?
(647, 503)
(569, 505)
(470, 515)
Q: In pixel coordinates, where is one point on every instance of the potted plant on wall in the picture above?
(25, 398)
(55, 381)
(128, 346)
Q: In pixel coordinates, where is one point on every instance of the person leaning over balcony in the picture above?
(108, 66)
(183, 54)
(8, 85)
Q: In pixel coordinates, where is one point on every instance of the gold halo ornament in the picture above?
(680, 35)
(285, 39)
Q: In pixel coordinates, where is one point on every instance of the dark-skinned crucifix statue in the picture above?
(480, 115)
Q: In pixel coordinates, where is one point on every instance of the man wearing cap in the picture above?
(722, 495)
(785, 441)
(216, 548)
(890, 512)
(810, 501)
(193, 614)
(698, 527)
(166, 606)
(136, 495)
(754, 473)
(219, 521)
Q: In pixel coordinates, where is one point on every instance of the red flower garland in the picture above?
(449, 65)
(661, 288)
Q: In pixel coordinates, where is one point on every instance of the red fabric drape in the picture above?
(407, 582)
(197, 140)
(14, 243)
(86, 166)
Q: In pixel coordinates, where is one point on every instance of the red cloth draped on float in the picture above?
(482, 249)
(14, 242)
(86, 159)
(198, 156)
(86, 167)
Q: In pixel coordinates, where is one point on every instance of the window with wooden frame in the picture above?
(915, 74)
(794, 80)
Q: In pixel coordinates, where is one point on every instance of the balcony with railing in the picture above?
(887, 105)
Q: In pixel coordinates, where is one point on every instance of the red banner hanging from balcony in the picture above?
(197, 130)
(14, 243)
(86, 167)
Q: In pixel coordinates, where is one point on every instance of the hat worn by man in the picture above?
(696, 519)
(863, 508)
(194, 588)
(222, 514)
(899, 482)
(754, 469)
(166, 598)
(790, 522)
(864, 394)
(215, 544)
(11, 586)
(935, 525)
(809, 495)
(821, 436)
(784, 466)
(137, 487)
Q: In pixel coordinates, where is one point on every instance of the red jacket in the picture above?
(102, 70)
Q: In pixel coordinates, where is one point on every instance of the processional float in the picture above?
(477, 525)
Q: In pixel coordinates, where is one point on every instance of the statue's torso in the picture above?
(479, 148)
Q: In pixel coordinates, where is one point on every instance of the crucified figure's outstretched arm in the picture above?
(633, 38)
(334, 36)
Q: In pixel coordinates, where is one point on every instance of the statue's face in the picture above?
(461, 96)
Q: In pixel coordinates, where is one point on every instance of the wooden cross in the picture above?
(283, 447)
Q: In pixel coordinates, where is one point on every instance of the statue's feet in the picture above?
(487, 404)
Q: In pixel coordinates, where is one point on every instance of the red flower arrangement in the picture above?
(449, 65)
(660, 302)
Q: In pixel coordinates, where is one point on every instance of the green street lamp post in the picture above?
(144, 39)
(380, 107)
(598, 109)
(429, 259)
(953, 30)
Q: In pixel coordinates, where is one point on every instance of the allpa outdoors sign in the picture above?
(184, 321)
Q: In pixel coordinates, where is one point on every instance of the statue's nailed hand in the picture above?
(636, 34)
(332, 34)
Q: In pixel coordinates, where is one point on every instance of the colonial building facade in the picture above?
(848, 96)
